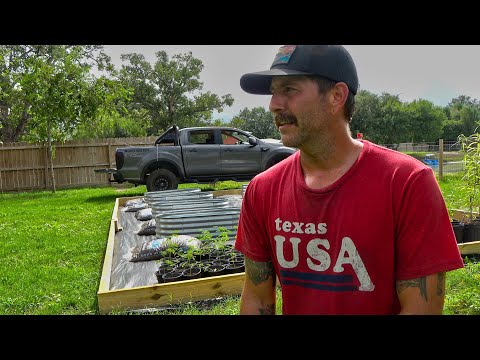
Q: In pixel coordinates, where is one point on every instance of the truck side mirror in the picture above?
(252, 141)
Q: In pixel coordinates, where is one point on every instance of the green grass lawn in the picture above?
(52, 248)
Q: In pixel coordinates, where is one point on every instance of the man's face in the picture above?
(300, 111)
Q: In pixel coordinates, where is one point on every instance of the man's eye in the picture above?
(284, 90)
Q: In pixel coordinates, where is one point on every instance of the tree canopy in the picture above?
(385, 119)
(49, 93)
(258, 121)
(170, 90)
(48, 90)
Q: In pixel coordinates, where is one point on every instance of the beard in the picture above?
(313, 126)
(288, 137)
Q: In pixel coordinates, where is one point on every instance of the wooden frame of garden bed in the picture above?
(160, 295)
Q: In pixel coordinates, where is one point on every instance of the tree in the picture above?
(395, 123)
(466, 111)
(258, 121)
(170, 90)
(383, 119)
(367, 114)
(59, 93)
(425, 121)
(237, 122)
(451, 129)
(133, 124)
(13, 105)
(18, 65)
(463, 100)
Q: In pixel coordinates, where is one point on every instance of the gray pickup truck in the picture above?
(199, 154)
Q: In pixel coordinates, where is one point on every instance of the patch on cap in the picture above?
(284, 54)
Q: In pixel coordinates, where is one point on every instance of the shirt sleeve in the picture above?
(252, 236)
(425, 241)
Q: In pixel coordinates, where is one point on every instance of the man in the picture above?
(348, 227)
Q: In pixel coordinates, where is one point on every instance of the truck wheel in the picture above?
(162, 179)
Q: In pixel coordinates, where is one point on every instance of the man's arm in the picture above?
(258, 295)
(422, 296)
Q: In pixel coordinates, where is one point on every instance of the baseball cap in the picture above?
(329, 61)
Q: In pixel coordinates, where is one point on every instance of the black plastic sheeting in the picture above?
(126, 274)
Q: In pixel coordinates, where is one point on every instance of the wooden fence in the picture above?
(24, 166)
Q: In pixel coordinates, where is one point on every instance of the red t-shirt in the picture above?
(340, 250)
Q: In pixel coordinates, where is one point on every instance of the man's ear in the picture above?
(339, 95)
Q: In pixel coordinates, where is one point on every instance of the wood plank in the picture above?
(120, 202)
(472, 247)
(463, 215)
(109, 146)
(116, 222)
(159, 295)
(440, 159)
(107, 262)
(123, 200)
(217, 193)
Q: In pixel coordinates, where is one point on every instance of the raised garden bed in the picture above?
(467, 248)
(155, 295)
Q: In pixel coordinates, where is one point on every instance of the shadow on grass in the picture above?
(103, 199)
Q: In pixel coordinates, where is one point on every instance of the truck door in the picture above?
(201, 154)
(237, 155)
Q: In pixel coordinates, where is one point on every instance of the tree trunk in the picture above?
(50, 156)
(10, 132)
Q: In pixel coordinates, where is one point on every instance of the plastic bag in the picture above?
(135, 205)
(144, 214)
(148, 228)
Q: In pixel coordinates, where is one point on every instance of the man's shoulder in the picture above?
(278, 171)
(393, 157)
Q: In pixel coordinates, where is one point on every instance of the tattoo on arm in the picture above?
(421, 283)
(268, 310)
(440, 282)
(259, 272)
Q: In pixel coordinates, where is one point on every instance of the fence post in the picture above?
(440, 159)
(109, 154)
(109, 144)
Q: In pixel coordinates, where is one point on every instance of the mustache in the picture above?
(283, 118)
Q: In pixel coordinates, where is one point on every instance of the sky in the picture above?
(437, 73)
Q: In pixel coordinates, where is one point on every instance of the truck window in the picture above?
(167, 139)
(233, 137)
(200, 137)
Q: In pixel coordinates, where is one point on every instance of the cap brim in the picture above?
(258, 83)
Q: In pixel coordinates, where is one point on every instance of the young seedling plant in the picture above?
(222, 238)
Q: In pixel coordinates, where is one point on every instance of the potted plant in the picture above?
(214, 270)
(471, 149)
(163, 268)
(190, 268)
(458, 229)
(204, 251)
(221, 240)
